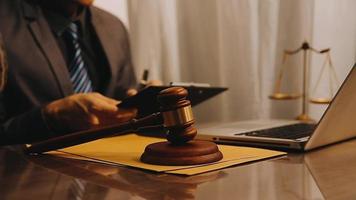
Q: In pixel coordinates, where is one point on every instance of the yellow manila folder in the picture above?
(127, 149)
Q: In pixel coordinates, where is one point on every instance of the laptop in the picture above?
(338, 123)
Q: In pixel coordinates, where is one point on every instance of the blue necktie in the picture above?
(78, 72)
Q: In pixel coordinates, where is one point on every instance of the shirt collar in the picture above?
(59, 23)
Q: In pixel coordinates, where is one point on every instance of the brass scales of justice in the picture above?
(327, 64)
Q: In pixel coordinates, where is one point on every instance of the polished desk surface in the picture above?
(328, 173)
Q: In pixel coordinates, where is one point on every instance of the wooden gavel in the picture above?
(176, 115)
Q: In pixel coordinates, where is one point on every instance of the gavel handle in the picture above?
(93, 134)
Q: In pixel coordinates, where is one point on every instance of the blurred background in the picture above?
(239, 44)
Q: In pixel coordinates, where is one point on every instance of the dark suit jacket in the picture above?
(37, 70)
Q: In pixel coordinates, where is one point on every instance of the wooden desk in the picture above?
(327, 173)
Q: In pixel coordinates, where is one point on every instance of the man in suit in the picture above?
(69, 64)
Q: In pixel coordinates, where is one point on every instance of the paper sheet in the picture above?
(127, 149)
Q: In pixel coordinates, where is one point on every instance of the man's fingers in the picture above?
(102, 106)
(126, 114)
(93, 119)
(96, 103)
(131, 92)
(104, 98)
(83, 111)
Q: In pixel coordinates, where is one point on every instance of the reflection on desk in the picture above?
(326, 173)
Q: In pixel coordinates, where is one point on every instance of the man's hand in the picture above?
(85, 111)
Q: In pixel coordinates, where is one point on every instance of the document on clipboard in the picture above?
(146, 99)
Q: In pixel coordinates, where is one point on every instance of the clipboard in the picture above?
(146, 99)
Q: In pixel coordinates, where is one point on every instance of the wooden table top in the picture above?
(327, 173)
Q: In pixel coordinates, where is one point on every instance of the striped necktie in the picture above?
(78, 72)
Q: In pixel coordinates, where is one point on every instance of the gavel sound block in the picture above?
(180, 149)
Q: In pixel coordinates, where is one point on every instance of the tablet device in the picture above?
(146, 99)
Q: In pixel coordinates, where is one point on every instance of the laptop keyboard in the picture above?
(294, 131)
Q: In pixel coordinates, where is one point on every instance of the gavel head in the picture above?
(177, 115)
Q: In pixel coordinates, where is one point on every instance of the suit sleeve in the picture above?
(25, 128)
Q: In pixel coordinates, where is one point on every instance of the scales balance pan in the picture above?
(333, 80)
(284, 96)
(278, 94)
(320, 100)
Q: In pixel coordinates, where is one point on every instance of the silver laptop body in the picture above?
(337, 124)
